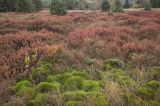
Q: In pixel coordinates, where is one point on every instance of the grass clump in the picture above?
(114, 64)
(74, 95)
(146, 93)
(90, 85)
(152, 85)
(60, 78)
(148, 90)
(120, 77)
(132, 99)
(39, 74)
(80, 74)
(45, 87)
(41, 99)
(24, 83)
(99, 98)
(73, 103)
(73, 83)
(22, 88)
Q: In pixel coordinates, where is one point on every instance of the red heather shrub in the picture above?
(80, 17)
(121, 16)
(15, 47)
(82, 36)
(103, 18)
(145, 14)
(147, 21)
(130, 21)
(50, 23)
(133, 47)
(151, 31)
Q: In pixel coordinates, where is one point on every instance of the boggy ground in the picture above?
(81, 59)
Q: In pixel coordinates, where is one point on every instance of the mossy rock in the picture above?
(114, 64)
(45, 87)
(73, 83)
(90, 85)
(41, 100)
(146, 93)
(74, 95)
(39, 74)
(73, 103)
(99, 98)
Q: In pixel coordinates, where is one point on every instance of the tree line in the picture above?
(60, 7)
(20, 5)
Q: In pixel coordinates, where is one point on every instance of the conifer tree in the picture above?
(105, 6)
(117, 6)
(38, 5)
(24, 6)
(57, 7)
(3, 6)
(126, 4)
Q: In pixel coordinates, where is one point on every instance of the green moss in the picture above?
(73, 103)
(152, 84)
(40, 100)
(22, 84)
(119, 76)
(74, 95)
(51, 78)
(99, 98)
(61, 78)
(25, 91)
(73, 83)
(80, 74)
(114, 63)
(39, 74)
(146, 93)
(45, 87)
(90, 85)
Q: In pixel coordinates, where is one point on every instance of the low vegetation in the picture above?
(87, 58)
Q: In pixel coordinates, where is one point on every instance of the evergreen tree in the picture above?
(138, 4)
(117, 6)
(24, 6)
(105, 6)
(57, 7)
(38, 4)
(147, 5)
(155, 3)
(71, 4)
(126, 4)
(3, 6)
